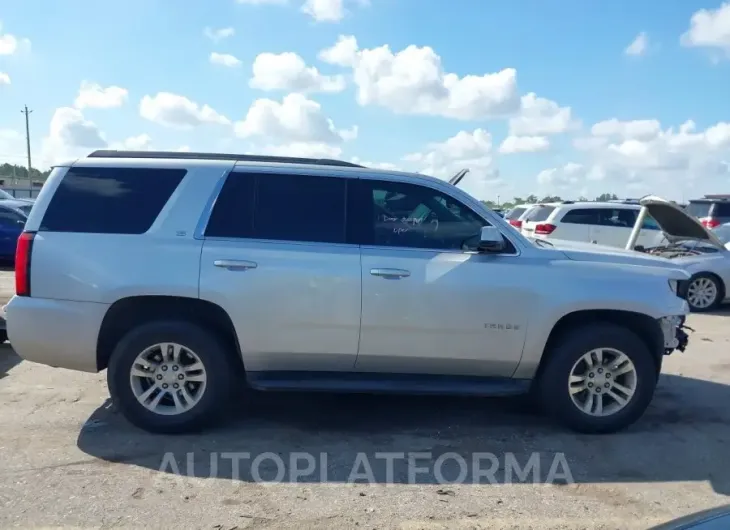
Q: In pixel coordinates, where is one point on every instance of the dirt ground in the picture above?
(67, 459)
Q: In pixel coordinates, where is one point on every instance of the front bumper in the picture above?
(673, 330)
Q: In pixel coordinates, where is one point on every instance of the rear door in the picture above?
(614, 226)
(275, 258)
(576, 224)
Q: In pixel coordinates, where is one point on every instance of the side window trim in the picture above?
(207, 213)
(516, 250)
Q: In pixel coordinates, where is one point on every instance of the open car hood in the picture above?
(677, 224)
(454, 181)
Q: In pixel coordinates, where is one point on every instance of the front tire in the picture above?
(704, 292)
(598, 379)
(170, 377)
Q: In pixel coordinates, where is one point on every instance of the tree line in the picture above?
(21, 172)
(533, 199)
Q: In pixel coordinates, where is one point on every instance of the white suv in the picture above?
(186, 274)
(604, 223)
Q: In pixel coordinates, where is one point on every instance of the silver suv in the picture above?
(187, 274)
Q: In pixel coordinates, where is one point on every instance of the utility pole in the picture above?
(27, 136)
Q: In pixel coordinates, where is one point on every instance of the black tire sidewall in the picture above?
(205, 345)
(718, 295)
(554, 388)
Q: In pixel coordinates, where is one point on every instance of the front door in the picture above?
(431, 303)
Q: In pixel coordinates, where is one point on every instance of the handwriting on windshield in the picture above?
(407, 223)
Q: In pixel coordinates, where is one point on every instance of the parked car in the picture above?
(184, 274)
(13, 215)
(603, 223)
(711, 210)
(513, 214)
(703, 253)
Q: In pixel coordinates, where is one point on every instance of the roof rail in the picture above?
(183, 155)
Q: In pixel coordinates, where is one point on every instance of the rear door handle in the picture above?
(392, 274)
(235, 264)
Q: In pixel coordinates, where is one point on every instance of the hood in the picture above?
(578, 251)
(677, 224)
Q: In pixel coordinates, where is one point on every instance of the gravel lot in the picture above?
(68, 459)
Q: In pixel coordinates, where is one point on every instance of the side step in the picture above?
(367, 382)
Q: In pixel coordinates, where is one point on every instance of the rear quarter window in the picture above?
(540, 213)
(581, 216)
(110, 200)
(514, 213)
(699, 209)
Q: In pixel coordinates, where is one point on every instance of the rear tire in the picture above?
(143, 362)
(563, 387)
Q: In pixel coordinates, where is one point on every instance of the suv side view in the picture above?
(185, 275)
(604, 223)
(711, 210)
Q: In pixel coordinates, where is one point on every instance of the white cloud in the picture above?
(70, 135)
(524, 144)
(302, 149)
(376, 165)
(288, 71)
(642, 155)
(295, 119)
(142, 142)
(10, 44)
(173, 110)
(224, 59)
(639, 45)
(635, 129)
(217, 35)
(566, 176)
(413, 81)
(325, 10)
(540, 116)
(4, 78)
(709, 28)
(262, 2)
(12, 147)
(472, 150)
(93, 95)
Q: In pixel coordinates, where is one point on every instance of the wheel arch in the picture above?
(643, 326)
(126, 313)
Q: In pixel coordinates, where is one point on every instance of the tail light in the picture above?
(545, 229)
(516, 223)
(709, 222)
(22, 263)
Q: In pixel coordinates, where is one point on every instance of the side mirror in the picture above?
(491, 240)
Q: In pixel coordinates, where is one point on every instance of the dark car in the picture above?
(13, 215)
(711, 210)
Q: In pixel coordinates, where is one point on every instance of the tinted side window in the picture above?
(721, 209)
(617, 218)
(10, 219)
(110, 200)
(408, 215)
(699, 209)
(232, 214)
(582, 216)
(540, 213)
(300, 208)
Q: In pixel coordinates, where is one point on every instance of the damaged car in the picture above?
(702, 252)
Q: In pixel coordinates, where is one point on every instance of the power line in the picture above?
(27, 112)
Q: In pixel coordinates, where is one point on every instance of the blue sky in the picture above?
(452, 86)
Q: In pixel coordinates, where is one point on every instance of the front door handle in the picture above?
(235, 264)
(392, 274)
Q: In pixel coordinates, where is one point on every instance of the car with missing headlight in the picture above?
(185, 275)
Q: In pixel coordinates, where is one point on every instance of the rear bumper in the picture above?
(58, 333)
